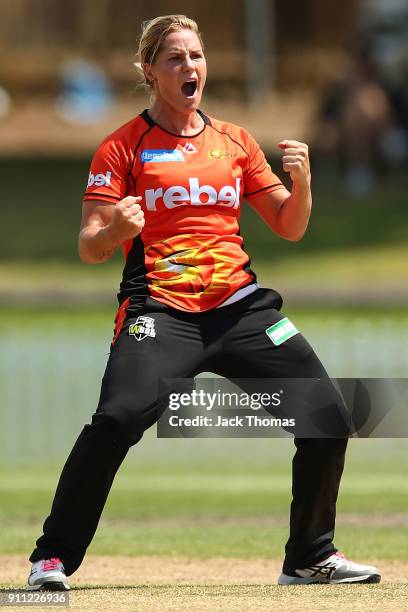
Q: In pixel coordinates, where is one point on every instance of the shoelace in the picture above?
(51, 564)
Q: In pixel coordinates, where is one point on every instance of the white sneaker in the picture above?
(333, 570)
(48, 575)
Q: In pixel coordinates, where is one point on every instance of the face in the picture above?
(179, 71)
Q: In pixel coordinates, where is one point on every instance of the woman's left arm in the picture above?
(287, 213)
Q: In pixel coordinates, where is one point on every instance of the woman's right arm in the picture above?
(105, 226)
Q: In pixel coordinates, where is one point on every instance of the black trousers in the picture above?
(230, 341)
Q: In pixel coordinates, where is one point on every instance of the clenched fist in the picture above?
(295, 159)
(127, 219)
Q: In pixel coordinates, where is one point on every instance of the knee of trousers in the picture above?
(122, 424)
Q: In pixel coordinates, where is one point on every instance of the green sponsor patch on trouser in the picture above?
(281, 331)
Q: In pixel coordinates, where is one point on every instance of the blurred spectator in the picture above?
(357, 124)
(86, 95)
(386, 24)
(363, 120)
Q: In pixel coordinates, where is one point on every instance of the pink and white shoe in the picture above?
(48, 575)
(336, 569)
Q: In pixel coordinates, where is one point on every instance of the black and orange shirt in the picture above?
(190, 253)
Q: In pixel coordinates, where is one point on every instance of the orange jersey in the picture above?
(189, 254)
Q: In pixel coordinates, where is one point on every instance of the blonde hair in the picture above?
(154, 31)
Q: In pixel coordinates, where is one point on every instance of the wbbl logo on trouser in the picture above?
(142, 328)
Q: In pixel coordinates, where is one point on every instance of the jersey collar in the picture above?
(145, 115)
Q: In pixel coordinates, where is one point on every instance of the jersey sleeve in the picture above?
(108, 176)
(258, 175)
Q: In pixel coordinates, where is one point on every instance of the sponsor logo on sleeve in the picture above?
(161, 155)
(99, 180)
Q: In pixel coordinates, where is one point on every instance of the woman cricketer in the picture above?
(167, 188)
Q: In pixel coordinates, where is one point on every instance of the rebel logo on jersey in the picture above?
(196, 195)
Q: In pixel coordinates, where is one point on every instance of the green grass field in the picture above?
(220, 505)
(206, 530)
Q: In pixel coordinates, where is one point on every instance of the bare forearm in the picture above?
(105, 227)
(294, 213)
(96, 244)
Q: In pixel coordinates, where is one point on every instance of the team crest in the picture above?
(142, 328)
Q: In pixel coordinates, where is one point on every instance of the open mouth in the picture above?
(189, 88)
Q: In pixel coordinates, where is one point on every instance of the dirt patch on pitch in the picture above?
(348, 520)
(152, 583)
